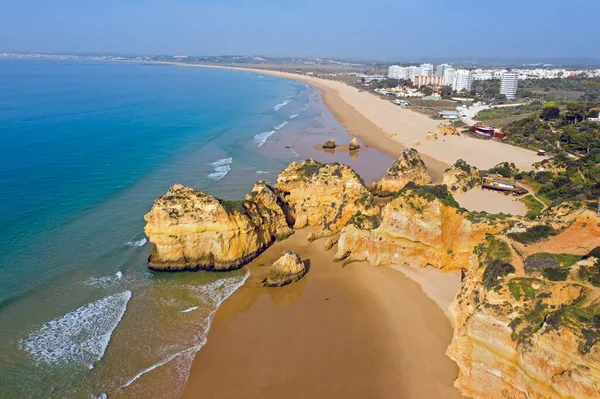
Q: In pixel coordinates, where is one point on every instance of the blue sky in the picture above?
(380, 29)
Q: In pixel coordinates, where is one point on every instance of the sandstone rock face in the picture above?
(420, 226)
(191, 230)
(287, 269)
(447, 130)
(408, 168)
(354, 144)
(461, 177)
(329, 144)
(326, 195)
(520, 335)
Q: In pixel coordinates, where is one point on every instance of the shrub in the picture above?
(533, 234)
(555, 274)
(495, 270)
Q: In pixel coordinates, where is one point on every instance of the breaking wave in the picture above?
(281, 105)
(222, 167)
(79, 337)
(137, 243)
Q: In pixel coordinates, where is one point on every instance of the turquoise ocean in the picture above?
(86, 148)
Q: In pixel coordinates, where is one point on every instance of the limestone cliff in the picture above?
(326, 195)
(461, 177)
(408, 168)
(192, 230)
(420, 226)
(528, 325)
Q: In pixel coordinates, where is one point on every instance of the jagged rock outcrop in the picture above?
(527, 333)
(330, 242)
(447, 130)
(326, 195)
(192, 230)
(354, 145)
(461, 177)
(420, 226)
(431, 136)
(287, 269)
(329, 144)
(408, 168)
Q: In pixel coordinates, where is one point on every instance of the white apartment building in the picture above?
(397, 72)
(440, 69)
(413, 70)
(449, 76)
(508, 85)
(427, 69)
(462, 80)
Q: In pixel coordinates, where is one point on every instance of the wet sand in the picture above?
(340, 332)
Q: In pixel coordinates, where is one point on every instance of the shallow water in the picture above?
(87, 147)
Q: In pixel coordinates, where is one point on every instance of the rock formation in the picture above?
(330, 242)
(420, 226)
(447, 130)
(408, 168)
(461, 177)
(326, 195)
(329, 144)
(287, 269)
(431, 136)
(416, 143)
(528, 331)
(191, 230)
(354, 144)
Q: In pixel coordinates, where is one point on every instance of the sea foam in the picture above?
(281, 105)
(214, 293)
(222, 167)
(79, 337)
(137, 243)
(261, 138)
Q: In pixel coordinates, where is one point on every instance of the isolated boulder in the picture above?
(329, 144)
(354, 144)
(287, 269)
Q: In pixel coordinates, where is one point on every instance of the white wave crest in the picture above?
(293, 116)
(282, 124)
(105, 281)
(222, 167)
(137, 243)
(281, 105)
(261, 172)
(216, 292)
(190, 309)
(261, 138)
(79, 337)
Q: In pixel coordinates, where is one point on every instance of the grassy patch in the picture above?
(533, 234)
(520, 287)
(534, 207)
(439, 191)
(233, 205)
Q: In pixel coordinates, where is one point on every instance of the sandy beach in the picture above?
(375, 120)
(341, 332)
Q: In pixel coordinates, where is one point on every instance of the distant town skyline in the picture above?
(383, 31)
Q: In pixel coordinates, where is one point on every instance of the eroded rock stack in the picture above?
(193, 230)
(287, 269)
(408, 168)
(329, 144)
(326, 195)
(354, 144)
(461, 177)
(420, 226)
